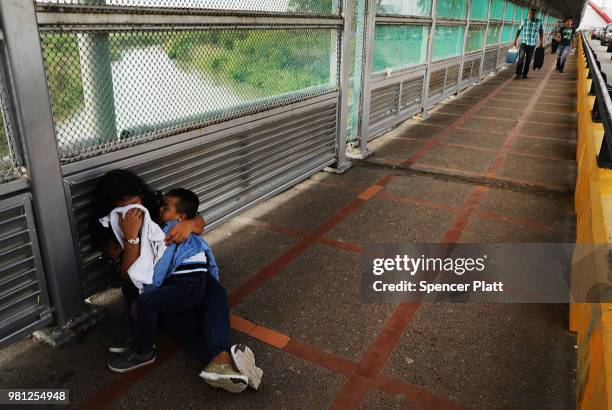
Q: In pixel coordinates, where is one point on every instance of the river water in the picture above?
(150, 88)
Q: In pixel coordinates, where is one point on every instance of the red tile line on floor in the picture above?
(418, 397)
(522, 121)
(453, 234)
(267, 273)
(292, 346)
(354, 248)
(121, 384)
(296, 233)
(334, 363)
(416, 201)
(368, 372)
(442, 135)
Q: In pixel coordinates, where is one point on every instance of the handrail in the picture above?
(603, 105)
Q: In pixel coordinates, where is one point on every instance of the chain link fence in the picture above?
(314, 7)
(114, 89)
(11, 159)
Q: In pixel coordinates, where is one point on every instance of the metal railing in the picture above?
(602, 107)
(446, 65)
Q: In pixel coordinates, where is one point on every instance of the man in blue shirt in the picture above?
(530, 30)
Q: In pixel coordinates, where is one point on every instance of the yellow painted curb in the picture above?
(592, 322)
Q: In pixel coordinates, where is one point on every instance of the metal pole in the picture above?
(97, 80)
(342, 164)
(465, 40)
(546, 20)
(430, 40)
(364, 46)
(499, 35)
(484, 48)
(512, 31)
(24, 61)
(335, 52)
(368, 37)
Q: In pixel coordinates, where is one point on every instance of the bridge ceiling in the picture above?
(567, 7)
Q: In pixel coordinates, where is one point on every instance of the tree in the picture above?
(310, 6)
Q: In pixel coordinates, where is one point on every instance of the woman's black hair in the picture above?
(119, 184)
(114, 186)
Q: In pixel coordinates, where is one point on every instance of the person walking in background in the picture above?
(530, 30)
(568, 33)
(554, 36)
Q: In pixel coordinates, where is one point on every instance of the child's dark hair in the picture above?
(187, 203)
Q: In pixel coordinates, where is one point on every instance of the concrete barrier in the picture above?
(593, 203)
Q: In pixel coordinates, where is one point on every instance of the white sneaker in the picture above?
(224, 376)
(244, 360)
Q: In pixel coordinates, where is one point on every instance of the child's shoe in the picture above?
(244, 359)
(224, 376)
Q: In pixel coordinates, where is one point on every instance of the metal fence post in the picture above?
(25, 69)
(369, 38)
(97, 80)
(546, 38)
(342, 164)
(465, 40)
(334, 56)
(432, 34)
(484, 45)
(499, 35)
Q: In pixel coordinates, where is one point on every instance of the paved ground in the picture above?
(495, 165)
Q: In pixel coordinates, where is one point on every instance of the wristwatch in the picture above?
(134, 241)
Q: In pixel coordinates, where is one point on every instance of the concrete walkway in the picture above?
(494, 165)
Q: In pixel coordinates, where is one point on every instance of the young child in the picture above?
(186, 278)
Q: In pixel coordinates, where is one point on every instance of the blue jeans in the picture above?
(524, 59)
(564, 51)
(192, 308)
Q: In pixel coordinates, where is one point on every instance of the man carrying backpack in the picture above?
(530, 29)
